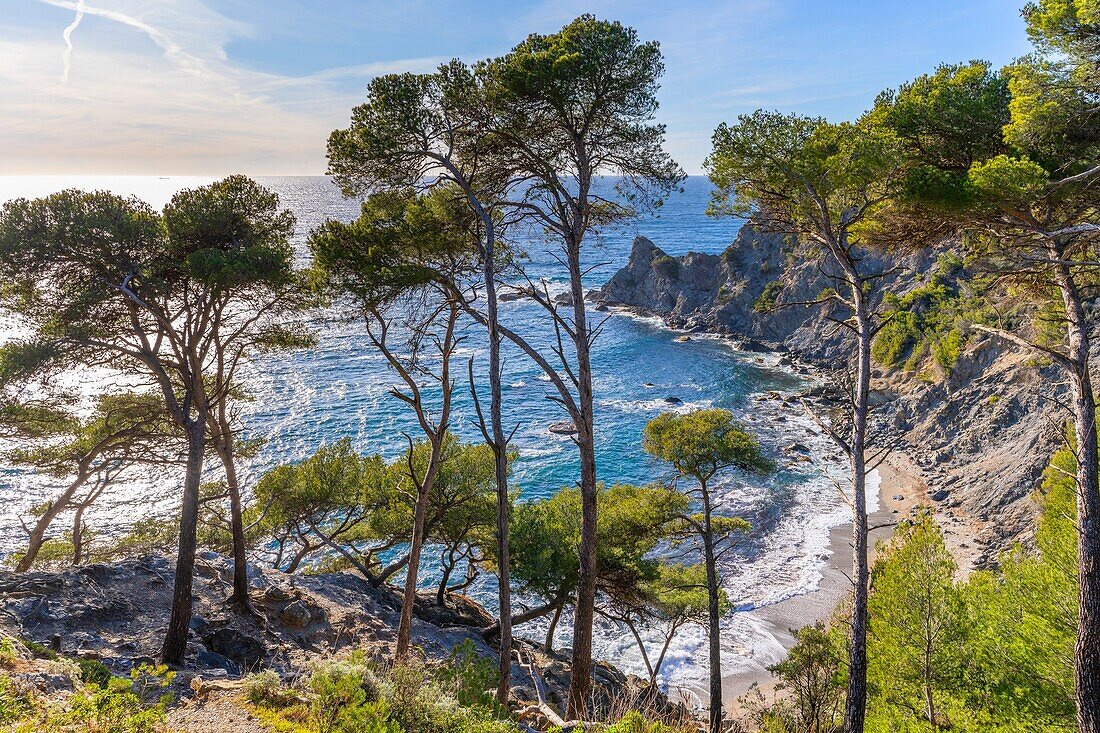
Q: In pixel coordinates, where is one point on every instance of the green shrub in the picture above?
(149, 535)
(635, 722)
(768, 297)
(94, 672)
(666, 265)
(931, 320)
(16, 702)
(267, 689)
(352, 696)
(472, 677)
(41, 651)
(55, 552)
(338, 689)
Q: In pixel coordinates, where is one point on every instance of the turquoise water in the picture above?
(339, 389)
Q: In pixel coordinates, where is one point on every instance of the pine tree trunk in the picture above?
(78, 534)
(856, 702)
(580, 680)
(175, 641)
(1087, 649)
(714, 639)
(408, 602)
(448, 563)
(38, 533)
(225, 447)
(500, 457)
(553, 627)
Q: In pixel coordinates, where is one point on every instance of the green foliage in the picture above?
(635, 722)
(995, 652)
(402, 242)
(782, 168)
(592, 83)
(55, 552)
(954, 116)
(1017, 180)
(472, 677)
(353, 696)
(339, 694)
(631, 523)
(666, 265)
(812, 680)
(266, 689)
(104, 705)
(704, 442)
(931, 320)
(146, 535)
(768, 297)
(94, 672)
(16, 701)
(916, 618)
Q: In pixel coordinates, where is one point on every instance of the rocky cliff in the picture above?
(980, 435)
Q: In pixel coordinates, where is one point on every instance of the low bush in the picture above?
(931, 321)
(354, 696)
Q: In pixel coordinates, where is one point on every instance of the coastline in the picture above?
(901, 490)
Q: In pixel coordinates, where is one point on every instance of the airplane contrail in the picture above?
(67, 34)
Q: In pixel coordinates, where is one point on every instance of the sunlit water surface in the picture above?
(340, 388)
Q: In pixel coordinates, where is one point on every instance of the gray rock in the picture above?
(297, 615)
(563, 428)
(996, 453)
(209, 661)
(246, 651)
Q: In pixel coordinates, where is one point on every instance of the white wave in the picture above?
(655, 405)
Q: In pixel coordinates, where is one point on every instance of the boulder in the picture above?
(247, 651)
(296, 615)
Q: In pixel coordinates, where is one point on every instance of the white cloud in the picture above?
(177, 105)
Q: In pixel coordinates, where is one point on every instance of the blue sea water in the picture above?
(340, 388)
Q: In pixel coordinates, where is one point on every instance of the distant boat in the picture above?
(163, 178)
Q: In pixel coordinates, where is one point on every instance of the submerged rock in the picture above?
(563, 428)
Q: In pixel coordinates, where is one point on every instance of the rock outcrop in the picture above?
(981, 435)
(117, 613)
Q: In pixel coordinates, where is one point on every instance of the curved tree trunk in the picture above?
(175, 641)
(38, 533)
(855, 708)
(297, 559)
(553, 627)
(224, 446)
(78, 534)
(448, 561)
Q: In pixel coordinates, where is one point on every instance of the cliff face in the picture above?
(719, 293)
(980, 436)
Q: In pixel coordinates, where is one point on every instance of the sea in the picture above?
(341, 387)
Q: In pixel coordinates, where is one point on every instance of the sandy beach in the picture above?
(901, 490)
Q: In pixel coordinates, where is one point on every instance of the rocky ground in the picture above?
(978, 438)
(117, 613)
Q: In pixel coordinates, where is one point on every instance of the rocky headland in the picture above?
(977, 437)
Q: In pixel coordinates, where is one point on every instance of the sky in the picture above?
(212, 87)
